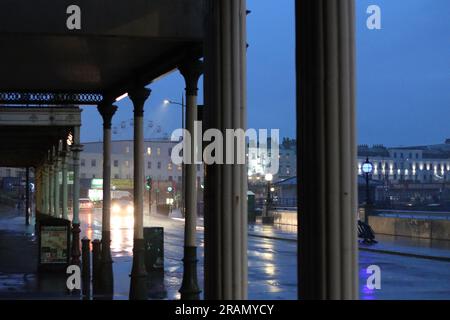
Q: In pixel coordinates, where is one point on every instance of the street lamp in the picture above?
(367, 169)
(168, 102)
(266, 219)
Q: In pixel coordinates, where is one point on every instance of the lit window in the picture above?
(169, 166)
(149, 151)
(158, 151)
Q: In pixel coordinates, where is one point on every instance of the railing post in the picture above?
(96, 266)
(86, 267)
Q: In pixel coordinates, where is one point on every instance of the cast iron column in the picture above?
(226, 184)
(107, 111)
(64, 191)
(76, 148)
(326, 135)
(189, 290)
(27, 197)
(45, 188)
(51, 181)
(138, 286)
(57, 186)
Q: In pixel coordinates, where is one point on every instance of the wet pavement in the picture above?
(272, 253)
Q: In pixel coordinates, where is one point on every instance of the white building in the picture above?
(422, 164)
(259, 160)
(158, 163)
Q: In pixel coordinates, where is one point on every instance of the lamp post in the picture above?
(367, 169)
(183, 107)
(267, 219)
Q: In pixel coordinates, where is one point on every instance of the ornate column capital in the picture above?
(191, 71)
(138, 96)
(107, 110)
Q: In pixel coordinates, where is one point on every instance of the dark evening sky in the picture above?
(403, 76)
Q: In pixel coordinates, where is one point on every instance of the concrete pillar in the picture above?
(76, 148)
(191, 72)
(107, 111)
(64, 189)
(326, 133)
(138, 287)
(226, 184)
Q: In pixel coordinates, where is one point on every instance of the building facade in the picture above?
(260, 160)
(418, 164)
(158, 162)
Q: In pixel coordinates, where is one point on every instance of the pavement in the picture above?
(272, 253)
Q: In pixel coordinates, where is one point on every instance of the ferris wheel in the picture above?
(123, 130)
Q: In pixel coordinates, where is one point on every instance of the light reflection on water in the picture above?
(121, 230)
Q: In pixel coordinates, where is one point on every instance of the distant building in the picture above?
(419, 164)
(259, 160)
(158, 162)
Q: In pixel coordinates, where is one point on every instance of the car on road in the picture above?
(86, 204)
(122, 206)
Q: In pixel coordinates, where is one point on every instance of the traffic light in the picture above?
(148, 184)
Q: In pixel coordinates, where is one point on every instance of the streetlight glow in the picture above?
(268, 177)
(122, 97)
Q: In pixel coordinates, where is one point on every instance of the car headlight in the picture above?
(115, 208)
(130, 209)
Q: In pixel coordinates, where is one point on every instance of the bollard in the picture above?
(96, 266)
(86, 267)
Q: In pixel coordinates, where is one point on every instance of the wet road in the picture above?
(272, 256)
(272, 262)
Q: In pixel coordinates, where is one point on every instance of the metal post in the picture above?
(86, 266)
(138, 286)
(107, 111)
(27, 197)
(150, 201)
(51, 179)
(76, 149)
(64, 182)
(46, 189)
(96, 266)
(57, 185)
(189, 290)
(366, 213)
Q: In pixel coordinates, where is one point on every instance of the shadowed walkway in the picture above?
(18, 263)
